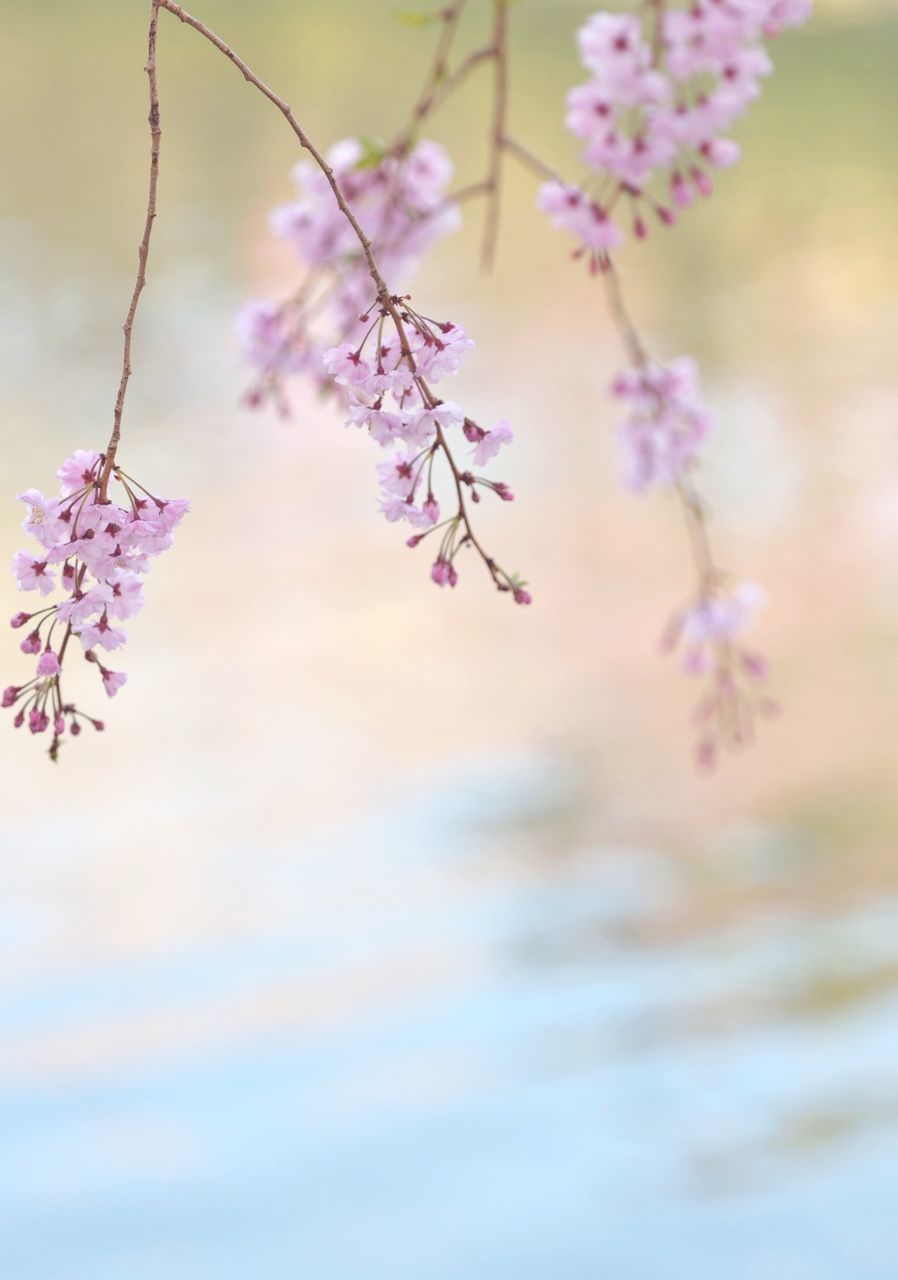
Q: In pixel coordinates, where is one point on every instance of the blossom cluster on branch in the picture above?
(400, 199)
(96, 552)
(667, 84)
(389, 378)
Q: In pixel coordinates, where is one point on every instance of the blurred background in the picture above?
(389, 932)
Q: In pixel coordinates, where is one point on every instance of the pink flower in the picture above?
(42, 520)
(48, 665)
(103, 549)
(491, 442)
(658, 97)
(570, 210)
(32, 574)
(113, 681)
(126, 593)
(666, 425)
(346, 365)
(79, 470)
(103, 634)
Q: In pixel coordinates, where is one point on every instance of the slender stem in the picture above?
(621, 316)
(142, 253)
(389, 303)
(286, 111)
(458, 77)
(690, 502)
(438, 72)
(497, 136)
(530, 160)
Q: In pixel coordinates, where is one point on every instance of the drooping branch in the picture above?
(143, 251)
(497, 132)
(391, 304)
(305, 142)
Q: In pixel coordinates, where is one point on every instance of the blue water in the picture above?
(556, 1088)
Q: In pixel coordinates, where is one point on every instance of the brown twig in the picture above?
(530, 160)
(459, 76)
(497, 135)
(142, 253)
(304, 141)
(388, 302)
(689, 499)
(439, 69)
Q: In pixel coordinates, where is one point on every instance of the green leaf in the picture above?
(373, 151)
(417, 17)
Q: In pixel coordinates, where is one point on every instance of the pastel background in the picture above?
(388, 932)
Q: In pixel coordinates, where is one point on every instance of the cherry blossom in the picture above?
(666, 424)
(667, 84)
(100, 550)
(707, 632)
(399, 197)
(389, 377)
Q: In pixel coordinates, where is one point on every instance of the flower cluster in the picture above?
(667, 84)
(666, 423)
(388, 377)
(399, 199)
(96, 552)
(707, 632)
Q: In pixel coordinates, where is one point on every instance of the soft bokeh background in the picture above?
(388, 932)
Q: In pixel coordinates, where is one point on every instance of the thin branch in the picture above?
(621, 316)
(687, 495)
(389, 303)
(142, 253)
(458, 77)
(500, 114)
(439, 68)
(286, 111)
(530, 160)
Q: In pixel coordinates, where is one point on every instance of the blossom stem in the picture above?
(143, 251)
(437, 79)
(497, 136)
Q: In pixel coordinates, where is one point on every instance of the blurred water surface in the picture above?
(389, 934)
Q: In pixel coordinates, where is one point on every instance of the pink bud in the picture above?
(755, 665)
(721, 152)
(680, 191)
(439, 572)
(37, 720)
(522, 597)
(19, 619)
(76, 728)
(59, 724)
(32, 643)
(701, 181)
(10, 694)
